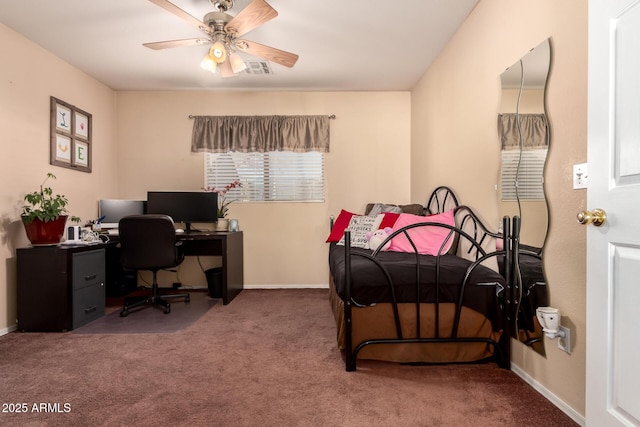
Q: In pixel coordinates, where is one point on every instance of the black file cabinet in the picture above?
(60, 288)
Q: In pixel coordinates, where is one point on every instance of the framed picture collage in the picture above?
(70, 136)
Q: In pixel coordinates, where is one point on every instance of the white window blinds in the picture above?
(529, 171)
(268, 176)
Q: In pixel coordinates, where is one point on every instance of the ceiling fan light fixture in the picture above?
(208, 64)
(237, 63)
(222, 31)
(218, 52)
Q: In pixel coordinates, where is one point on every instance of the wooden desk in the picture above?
(229, 246)
(61, 288)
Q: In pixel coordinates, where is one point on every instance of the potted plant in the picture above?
(223, 204)
(45, 214)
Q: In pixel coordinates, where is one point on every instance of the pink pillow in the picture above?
(428, 239)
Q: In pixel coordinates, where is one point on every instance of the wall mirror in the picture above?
(524, 139)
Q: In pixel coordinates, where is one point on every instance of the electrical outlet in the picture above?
(580, 176)
(564, 343)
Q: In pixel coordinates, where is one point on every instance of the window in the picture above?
(529, 174)
(272, 176)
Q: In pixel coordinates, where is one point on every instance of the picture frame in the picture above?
(81, 121)
(63, 148)
(63, 118)
(71, 144)
(81, 154)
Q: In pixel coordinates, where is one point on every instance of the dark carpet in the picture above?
(268, 358)
(147, 320)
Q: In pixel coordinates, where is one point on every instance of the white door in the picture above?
(613, 249)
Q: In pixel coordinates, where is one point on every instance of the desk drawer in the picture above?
(88, 268)
(88, 304)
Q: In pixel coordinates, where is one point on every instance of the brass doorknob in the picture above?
(596, 217)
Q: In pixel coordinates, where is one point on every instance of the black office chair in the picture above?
(148, 242)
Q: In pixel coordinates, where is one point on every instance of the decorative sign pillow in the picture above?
(428, 239)
(359, 226)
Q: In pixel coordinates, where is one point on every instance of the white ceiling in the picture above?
(344, 45)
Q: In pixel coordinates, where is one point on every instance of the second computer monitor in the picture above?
(113, 210)
(184, 206)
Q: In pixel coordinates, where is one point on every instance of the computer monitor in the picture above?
(113, 210)
(184, 206)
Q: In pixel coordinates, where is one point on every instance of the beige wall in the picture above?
(283, 242)
(454, 142)
(25, 88)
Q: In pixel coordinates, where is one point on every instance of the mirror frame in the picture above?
(537, 65)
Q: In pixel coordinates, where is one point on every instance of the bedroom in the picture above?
(395, 134)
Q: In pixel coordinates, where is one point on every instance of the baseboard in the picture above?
(8, 330)
(295, 286)
(561, 404)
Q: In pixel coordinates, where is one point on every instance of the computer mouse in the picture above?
(179, 230)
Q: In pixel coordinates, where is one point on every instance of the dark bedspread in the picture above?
(483, 291)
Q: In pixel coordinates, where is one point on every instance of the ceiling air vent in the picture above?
(258, 67)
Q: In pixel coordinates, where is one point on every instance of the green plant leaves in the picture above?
(45, 205)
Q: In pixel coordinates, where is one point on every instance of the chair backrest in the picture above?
(148, 242)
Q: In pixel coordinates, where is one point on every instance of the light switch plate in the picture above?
(580, 176)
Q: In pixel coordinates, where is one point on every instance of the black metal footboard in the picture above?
(506, 302)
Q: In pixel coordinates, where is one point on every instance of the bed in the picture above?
(462, 301)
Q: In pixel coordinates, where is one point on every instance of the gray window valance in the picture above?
(534, 128)
(221, 134)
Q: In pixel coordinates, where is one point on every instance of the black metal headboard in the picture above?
(441, 200)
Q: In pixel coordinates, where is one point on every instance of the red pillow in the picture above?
(339, 225)
(389, 220)
(342, 222)
(428, 239)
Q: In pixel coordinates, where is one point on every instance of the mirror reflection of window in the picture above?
(525, 142)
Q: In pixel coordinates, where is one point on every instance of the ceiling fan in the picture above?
(222, 32)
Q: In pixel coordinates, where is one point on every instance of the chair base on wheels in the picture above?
(154, 300)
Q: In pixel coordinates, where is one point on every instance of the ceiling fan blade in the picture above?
(257, 13)
(189, 19)
(176, 43)
(225, 69)
(271, 53)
